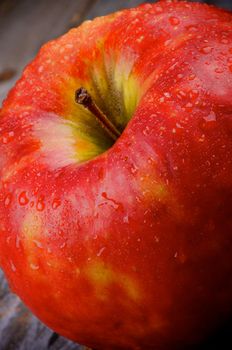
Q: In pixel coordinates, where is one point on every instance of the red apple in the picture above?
(126, 244)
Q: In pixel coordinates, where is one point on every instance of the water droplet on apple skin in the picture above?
(12, 266)
(201, 138)
(63, 245)
(209, 121)
(34, 266)
(56, 203)
(192, 28)
(156, 239)
(101, 250)
(193, 94)
(146, 131)
(38, 244)
(126, 219)
(189, 105)
(23, 199)
(206, 50)
(40, 205)
(115, 204)
(133, 169)
(7, 200)
(181, 94)
(17, 242)
(192, 76)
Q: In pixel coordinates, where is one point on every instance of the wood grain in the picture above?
(24, 26)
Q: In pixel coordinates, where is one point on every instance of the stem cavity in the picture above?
(83, 98)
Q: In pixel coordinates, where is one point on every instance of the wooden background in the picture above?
(24, 26)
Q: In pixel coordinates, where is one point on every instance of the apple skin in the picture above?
(124, 246)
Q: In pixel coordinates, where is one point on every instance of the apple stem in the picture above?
(83, 98)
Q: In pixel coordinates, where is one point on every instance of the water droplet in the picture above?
(133, 169)
(34, 266)
(40, 204)
(40, 69)
(202, 138)
(5, 140)
(181, 94)
(17, 242)
(178, 130)
(156, 239)
(150, 160)
(146, 131)
(167, 43)
(112, 201)
(12, 266)
(140, 39)
(180, 76)
(7, 200)
(101, 251)
(192, 76)
(179, 126)
(174, 21)
(167, 94)
(56, 203)
(192, 28)
(189, 105)
(126, 219)
(37, 244)
(63, 245)
(194, 94)
(211, 117)
(23, 199)
(206, 49)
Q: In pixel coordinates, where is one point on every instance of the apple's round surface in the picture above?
(116, 179)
